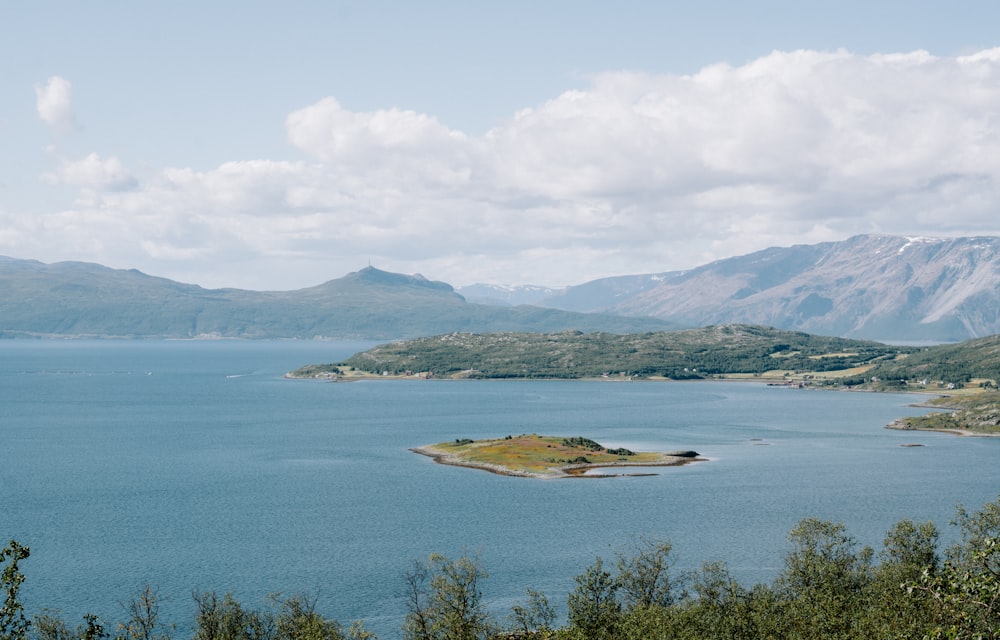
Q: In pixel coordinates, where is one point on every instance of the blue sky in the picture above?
(273, 145)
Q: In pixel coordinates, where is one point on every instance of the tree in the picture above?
(824, 579)
(593, 605)
(966, 597)
(357, 631)
(718, 606)
(13, 624)
(534, 616)
(444, 600)
(91, 629)
(650, 623)
(976, 527)
(297, 619)
(49, 626)
(644, 577)
(911, 547)
(227, 619)
(418, 623)
(143, 616)
(964, 594)
(893, 610)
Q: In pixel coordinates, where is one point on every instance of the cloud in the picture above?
(406, 148)
(801, 125)
(54, 102)
(632, 173)
(94, 172)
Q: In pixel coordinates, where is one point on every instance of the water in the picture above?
(195, 466)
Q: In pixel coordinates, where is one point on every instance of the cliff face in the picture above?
(875, 287)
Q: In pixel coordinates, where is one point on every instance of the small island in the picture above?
(535, 456)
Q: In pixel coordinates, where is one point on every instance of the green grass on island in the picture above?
(538, 456)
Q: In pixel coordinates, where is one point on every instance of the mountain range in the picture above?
(889, 288)
(80, 299)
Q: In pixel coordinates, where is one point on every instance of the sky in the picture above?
(278, 145)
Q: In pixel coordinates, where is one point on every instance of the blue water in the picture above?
(196, 466)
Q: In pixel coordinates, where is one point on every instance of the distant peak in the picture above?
(387, 278)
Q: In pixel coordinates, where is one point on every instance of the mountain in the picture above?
(506, 295)
(605, 293)
(82, 299)
(886, 288)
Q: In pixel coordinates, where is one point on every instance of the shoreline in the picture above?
(567, 471)
(899, 425)
(775, 381)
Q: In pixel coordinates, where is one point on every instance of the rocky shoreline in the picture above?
(901, 425)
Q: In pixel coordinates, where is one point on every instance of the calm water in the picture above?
(195, 466)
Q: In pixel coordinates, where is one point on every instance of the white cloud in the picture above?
(631, 173)
(54, 102)
(94, 172)
(409, 149)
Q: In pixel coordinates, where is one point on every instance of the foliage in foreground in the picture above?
(829, 589)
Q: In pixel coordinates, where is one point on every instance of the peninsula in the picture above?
(967, 372)
(535, 456)
(967, 415)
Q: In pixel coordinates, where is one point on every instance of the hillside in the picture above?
(715, 351)
(684, 354)
(87, 300)
(874, 287)
(952, 364)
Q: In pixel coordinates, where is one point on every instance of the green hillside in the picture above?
(683, 354)
(952, 364)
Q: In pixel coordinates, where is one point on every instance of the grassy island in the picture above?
(536, 456)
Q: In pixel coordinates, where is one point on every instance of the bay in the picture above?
(196, 466)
